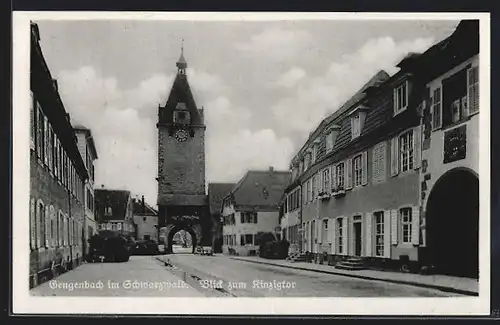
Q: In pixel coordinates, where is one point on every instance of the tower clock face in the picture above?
(181, 135)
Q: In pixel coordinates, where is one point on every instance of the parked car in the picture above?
(109, 247)
(146, 247)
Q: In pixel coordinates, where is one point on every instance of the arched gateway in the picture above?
(182, 200)
(452, 217)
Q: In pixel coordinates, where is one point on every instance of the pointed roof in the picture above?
(216, 193)
(260, 188)
(180, 93)
(116, 199)
(182, 63)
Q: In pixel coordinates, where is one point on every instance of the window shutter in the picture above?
(321, 176)
(319, 230)
(415, 227)
(382, 161)
(32, 224)
(331, 233)
(387, 234)
(368, 234)
(394, 157)
(394, 227)
(417, 155)
(473, 90)
(59, 233)
(345, 235)
(39, 211)
(348, 174)
(242, 217)
(364, 172)
(334, 177)
(46, 226)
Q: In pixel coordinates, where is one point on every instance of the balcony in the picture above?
(455, 147)
(323, 196)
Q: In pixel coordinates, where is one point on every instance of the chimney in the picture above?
(54, 81)
(271, 169)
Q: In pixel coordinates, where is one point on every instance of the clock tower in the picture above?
(182, 201)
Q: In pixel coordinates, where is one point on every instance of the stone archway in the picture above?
(452, 223)
(173, 230)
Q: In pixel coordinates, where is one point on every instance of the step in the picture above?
(350, 267)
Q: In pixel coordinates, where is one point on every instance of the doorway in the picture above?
(357, 238)
(452, 219)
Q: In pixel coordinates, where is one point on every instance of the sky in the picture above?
(264, 85)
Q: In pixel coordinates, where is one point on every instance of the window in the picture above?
(108, 211)
(46, 135)
(144, 219)
(436, 108)
(358, 170)
(329, 141)
(406, 151)
(32, 121)
(406, 224)
(246, 240)
(248, 217)
(41, 229)
(40, 133)
(60, 228)
(356, 126)
(326, 180)
(379, 233)
(340, 175)
(113, 226)
(454, 98)
(119, 225)
(473, 89)
(324, 233)
(33, 224)
(401, 98)
(50, 150)
(340, 234)
(181, 117)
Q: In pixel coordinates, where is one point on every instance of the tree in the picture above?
(263, 237)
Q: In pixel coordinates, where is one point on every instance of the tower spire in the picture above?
(181, 63)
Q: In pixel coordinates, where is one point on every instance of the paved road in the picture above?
(140, 276)
(245, 279)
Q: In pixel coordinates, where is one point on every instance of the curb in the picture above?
(365, 277)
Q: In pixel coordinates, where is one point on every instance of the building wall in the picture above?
(146, 227)
(266, 222)
(181, 165)
(389, 195)
(45, 188)
(433, 152)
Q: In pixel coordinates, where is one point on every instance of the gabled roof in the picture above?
(378, 79)
(259, 188)
(116, 199)
(216, 193)
(147, 210)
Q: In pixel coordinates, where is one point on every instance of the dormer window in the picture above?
(108, 211)
(400, 98)
(331, 136)
(314, 150)
(357, 120)
(356, 126)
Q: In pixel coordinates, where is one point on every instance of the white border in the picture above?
(24, 303)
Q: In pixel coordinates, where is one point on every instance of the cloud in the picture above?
(252, 149)
(314, 98)
(123, 125)
(290, 78)
(275, 44)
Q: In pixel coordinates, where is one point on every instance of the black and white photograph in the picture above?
(316, 163)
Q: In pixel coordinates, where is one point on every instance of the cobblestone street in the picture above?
(118, 279)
